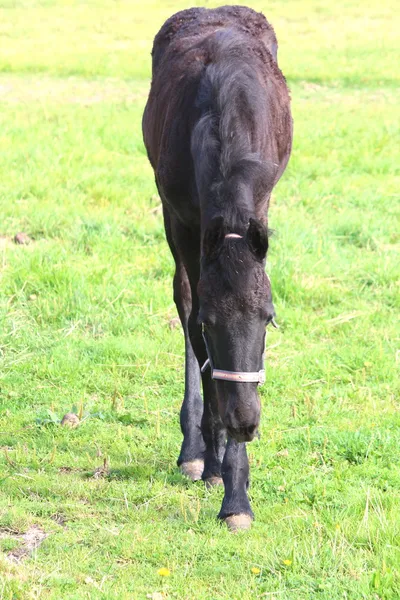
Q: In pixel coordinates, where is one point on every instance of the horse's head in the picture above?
(235, 308)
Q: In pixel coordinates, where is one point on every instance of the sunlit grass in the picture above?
(342, 42)
(85, 315)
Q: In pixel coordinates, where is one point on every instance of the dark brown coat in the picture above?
(218, 132)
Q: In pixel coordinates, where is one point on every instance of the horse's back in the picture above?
(190, 27)
(197, 46)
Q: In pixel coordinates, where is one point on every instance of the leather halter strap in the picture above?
(236, 376)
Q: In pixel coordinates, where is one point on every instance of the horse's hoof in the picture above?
(211, 482)
(193, 469)
(238, 522)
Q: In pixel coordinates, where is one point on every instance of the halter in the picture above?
(235, 376)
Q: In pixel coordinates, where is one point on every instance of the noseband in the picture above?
(235, 376)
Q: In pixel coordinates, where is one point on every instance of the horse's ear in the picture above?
(213, 238)
(257, 239)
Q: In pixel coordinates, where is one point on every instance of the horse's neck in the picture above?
(234, 203)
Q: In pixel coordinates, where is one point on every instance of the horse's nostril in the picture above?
(251, 429)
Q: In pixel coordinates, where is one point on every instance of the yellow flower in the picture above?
(255, 570)
(287, 562)
(164, 572)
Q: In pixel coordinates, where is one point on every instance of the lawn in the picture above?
(87, 321)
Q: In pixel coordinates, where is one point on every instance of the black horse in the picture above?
(218, 132)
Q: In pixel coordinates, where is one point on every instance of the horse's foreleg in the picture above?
(214, 433)
(191, 456)
(235, 510)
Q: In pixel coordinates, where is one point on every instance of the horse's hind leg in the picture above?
(191, 456)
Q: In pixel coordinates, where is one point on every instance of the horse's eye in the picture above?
(271, 320)
(202, 317)
(207, 320)
(202, 321)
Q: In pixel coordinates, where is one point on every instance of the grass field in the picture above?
(86, 310)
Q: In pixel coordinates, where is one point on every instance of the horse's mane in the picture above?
(231, 99)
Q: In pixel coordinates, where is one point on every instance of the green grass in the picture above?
(85, 313)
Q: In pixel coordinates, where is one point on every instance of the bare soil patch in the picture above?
(29, 542)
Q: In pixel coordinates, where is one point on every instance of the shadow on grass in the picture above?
(143, 472)
(156, 473)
